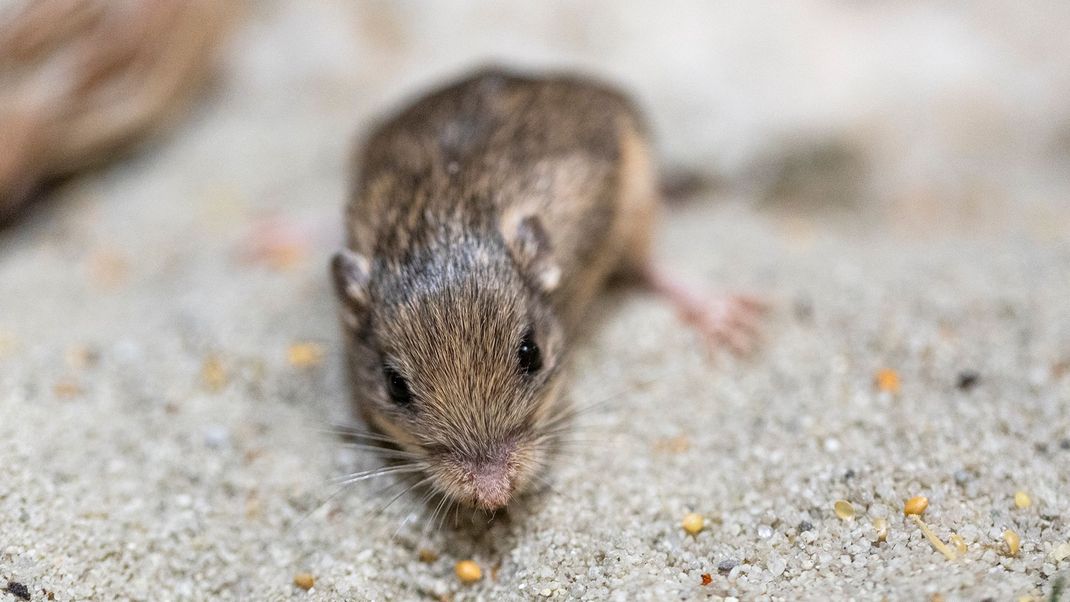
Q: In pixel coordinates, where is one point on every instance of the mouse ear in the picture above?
(531, 249)
(350, 270)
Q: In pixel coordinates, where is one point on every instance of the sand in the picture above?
(161, 439)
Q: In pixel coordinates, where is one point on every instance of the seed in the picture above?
(303, 355)
(844, 509)
(468, 571)
(693, 523)
(935, 541)
(66, 389)
(1022, 500)
(887, 380)
(213, 374)
(959, 542)
(707, 579)
(916, 505)
(1014, 543)
(881, 526)
(304, 580)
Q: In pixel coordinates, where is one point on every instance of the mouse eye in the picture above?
(528, 355)
(397, 387)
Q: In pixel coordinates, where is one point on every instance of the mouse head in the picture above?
(456, 354)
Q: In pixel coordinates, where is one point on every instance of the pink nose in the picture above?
(491, 485)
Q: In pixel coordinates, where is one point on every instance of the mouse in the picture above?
(484, 220)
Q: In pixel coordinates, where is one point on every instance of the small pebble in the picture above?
(1064, 444)
(1014, 543)
(916, 505)
(725, 566)
(19, 590)
(427, 556)
(1022, 500)
(967, 380)
(468, 571)
(1061, 552)
(765, 531)
(693, 523)
(962, 476)
(844, 509)
(804, 526)
(304, 580)
(216, 436)
(707, 579)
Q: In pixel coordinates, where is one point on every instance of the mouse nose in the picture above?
(489, 481)
(491, 484)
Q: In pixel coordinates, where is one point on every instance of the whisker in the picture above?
(448, 505)
(403, 492)
(378, 472)
(400, 453)
(349, 431)
(428, 526)
(316, 509)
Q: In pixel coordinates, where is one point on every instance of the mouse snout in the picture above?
(489, 481)
(492, 485)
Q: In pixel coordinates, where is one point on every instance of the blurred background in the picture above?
(895, 175)
(925, 109)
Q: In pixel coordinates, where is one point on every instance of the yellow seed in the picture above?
(303, 355)
(934, 541)
(1014, 543)
(693, 523)
(887, 380)
(213, 374)
(960, 543)
(916, 505)
(304, 580)
(881, 526)
(844, 509)
(1022, 500)
(468, 571)
(66, 389)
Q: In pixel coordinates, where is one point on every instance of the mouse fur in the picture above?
(484, 219)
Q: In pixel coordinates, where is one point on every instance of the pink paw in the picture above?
(725, 320)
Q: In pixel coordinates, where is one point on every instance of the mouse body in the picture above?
(484, 219)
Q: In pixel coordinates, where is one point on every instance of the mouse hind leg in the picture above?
(722, 320)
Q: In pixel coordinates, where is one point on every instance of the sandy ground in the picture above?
(165, 380)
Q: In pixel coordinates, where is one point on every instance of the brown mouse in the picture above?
(486, 218)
